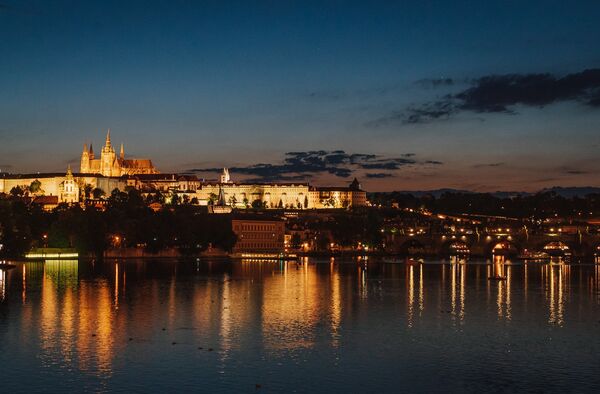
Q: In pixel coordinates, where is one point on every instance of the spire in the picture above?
(108, 138)
(85, 149)
(91, 151)
(221, 200)
(69, 172)
(225, 176)
(122, 154)
(355, 185)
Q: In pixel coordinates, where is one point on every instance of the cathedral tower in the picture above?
(112, 164)
(84, 165)
(108, 159)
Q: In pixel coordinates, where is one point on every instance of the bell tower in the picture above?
(108, 158)
(84, 166)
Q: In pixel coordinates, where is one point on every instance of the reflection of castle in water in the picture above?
(288, 305)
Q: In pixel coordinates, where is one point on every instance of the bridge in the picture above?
(579, 244)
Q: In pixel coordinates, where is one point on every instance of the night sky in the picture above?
(415, 95)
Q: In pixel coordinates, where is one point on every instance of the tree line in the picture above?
(127, 221)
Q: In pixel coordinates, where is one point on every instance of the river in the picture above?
(317, 326)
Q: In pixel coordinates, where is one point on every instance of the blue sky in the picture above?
(200, 85)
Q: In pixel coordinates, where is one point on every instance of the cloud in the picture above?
(483, 165)
(298, 166)
(501, 94)
(575, 172)
(378, 175)
(435, 82)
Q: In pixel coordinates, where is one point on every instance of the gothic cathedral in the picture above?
(110, 165)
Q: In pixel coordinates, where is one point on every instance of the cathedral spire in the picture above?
(91, 152)
(85, 149)
(122, 153)
(69, 172)
(108, 138)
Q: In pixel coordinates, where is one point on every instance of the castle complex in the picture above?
(111, 172)
(110, 165)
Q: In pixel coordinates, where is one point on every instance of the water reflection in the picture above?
(556, 282)
(2, 285)
(83, 316)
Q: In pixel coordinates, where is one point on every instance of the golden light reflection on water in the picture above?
(336, 303)
(2, 285)
(289, 306)
(556, 284)
(83, 321)
(457, 290)
(410, 289)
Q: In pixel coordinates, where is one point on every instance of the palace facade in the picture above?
(66, 187)
(109, 164)
(280, 195)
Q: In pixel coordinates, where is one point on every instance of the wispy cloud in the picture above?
(378, 175)
(298, 166)
(501, 94)
(486, 165)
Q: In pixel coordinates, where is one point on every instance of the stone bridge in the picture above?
(579, 244)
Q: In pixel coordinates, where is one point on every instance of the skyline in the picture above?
(404, 97)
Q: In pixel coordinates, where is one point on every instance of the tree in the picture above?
(232, 201)
(245, 201)
(280, 205)
(35, 186)
(17, 191)
(296, 240)
(98, 193)
(257, 204)
(345, 203)
(305, 202)
(88, 190)
(175, 199)
(330, 202)
(212, 198)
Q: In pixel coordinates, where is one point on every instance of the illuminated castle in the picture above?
(109, 164)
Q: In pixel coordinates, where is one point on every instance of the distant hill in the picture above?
(567, 192)
(570, 192)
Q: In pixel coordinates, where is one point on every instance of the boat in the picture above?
(534, 256)
(265, 256)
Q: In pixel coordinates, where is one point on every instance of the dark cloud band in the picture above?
(502, 93)
(298, 166)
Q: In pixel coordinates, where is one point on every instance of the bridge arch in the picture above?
(504, 247)
(454, 247)
(411, 247)
(557, 248)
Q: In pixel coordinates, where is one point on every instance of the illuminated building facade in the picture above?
(281, 195)
(258, 235)
(66, 187)
(109, 164)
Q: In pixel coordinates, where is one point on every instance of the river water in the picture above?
(315, 326)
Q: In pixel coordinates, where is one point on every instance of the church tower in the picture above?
(84, 166)
(113, 164)
(225, 176)
(108, 159)
(69, 190)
